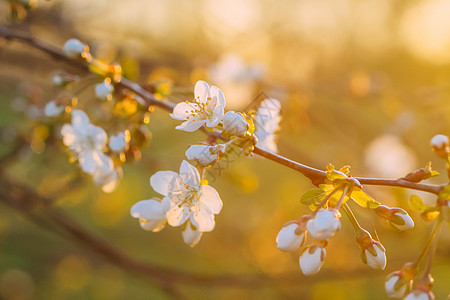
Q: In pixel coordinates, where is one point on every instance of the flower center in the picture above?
(200, 110)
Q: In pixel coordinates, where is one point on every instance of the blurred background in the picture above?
(361, 82)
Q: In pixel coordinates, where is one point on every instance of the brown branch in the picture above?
(315, 175)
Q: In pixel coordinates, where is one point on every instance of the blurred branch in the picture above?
(315, 175)
(40, 210)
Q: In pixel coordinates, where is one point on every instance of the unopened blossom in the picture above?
(52, 109)
(73, 48)
(440, 144)
(267, 122)
(189, 199)
(324, 224)
(151, 213)
(191, 235)
(118, 142)
(396, 286)
(205, 155)
(397, 217)
(234, 123)
(373, 253)
(207, 108)
(312, 259)
(85, 140)
(420, 295)
(288, 239)
(104, 90)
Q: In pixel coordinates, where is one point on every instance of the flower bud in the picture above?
(373, 252)
(288, 239)
(53, 110)
(205, 155)
(191, 235)
(396, 286)
(324, 224)
(118, 142)
(440, 145)
(234, 123)
(311, 260)
(73, 48)
(104, 90)
(420, 295)
(397, 217)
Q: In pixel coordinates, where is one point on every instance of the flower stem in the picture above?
(324, 201)
(437, 228)
(351, 216)
(341, 200)
(429, 241)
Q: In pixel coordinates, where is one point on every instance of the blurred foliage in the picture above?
(362, 82)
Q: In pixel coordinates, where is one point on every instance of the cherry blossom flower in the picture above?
(373, 253)
(267, 121)
(234, 123)
(104, 90)
(312, 259)
(189, 199)
(324, 224)
(207, 108)
(395, 285)
(288, 239)
(53, 110)
(151, 213)
(205, 155)
(73, 48)
(86, 141)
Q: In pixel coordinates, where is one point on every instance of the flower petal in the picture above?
(98, 135)
(162, 180)
(151, 214)
(202, 217)
(201, 91)
(210, 198)
(68, 134)
(189, 174)
(190, 126)
(88, 161)
(79, 118)
(177, 215)
(181, 111)
(191, 235)
(216, 92)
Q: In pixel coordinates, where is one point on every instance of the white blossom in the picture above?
(324, 224)
(375, 256)
(439, 141)
(205, 155)
(151, 213)
(191, 235)
(395, 286)
(73, 48)
(401, 220)
(288, 240)
(312, 259)
(118, 142)
(207, 108)
(53, 110)
(86, 141)
(419, 295)
(267, 121)
(104, 90)
(234, 123)
(189, 199)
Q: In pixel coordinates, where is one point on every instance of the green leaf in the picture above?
(313, 196)
(364, 199)
(416, 203)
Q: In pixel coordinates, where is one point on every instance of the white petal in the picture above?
(189, 174)
(117, 142)
(288, 240)
(181, 111)
(73, 48)
(162, 180)
(98, 135)
(202, 154)
(88, 161)
(389, 287)
(378, 261)
(190, 126)
(216, 92)
(191, 235)
(151, 214)
(201, 91)
(310, 263)
(68, 134)
(210, 198)
(203, 218)
(79, 118)
(177, 215)
(53, 110)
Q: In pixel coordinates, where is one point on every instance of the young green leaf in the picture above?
(313, 196)
(416, 203)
